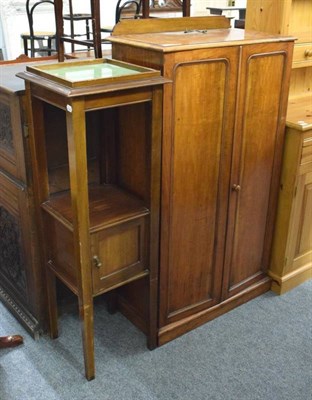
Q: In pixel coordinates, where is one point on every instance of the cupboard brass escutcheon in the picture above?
(97, 262)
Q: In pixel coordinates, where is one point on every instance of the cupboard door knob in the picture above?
(308, 53)
(97, 262)
(236, 187)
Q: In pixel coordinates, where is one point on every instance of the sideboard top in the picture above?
(8, 79)
(299, 113)
(167, 42)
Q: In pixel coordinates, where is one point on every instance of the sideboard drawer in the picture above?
(306, 154)
(302, 55)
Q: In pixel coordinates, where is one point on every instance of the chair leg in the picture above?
(25, 43)
(52, 303)
(32, 48)
(49, 46)
(86, 317)
(88, 32)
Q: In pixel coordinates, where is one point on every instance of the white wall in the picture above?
(14, 22)
(199, 7)
(2, 43)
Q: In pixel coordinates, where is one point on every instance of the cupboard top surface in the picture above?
(192, 39)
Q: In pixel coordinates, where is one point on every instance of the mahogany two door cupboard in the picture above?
(224, 120)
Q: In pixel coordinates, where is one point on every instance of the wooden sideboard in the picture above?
(223, 133)
(291, 262)
(21, 287)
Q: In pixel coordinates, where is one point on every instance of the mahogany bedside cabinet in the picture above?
(100, 229)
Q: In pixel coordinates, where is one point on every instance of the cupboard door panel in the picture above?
(199, 178)
(305, 233)
(299, 247)
(254, 166)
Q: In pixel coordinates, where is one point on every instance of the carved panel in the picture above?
(6, 135)
(11, 255)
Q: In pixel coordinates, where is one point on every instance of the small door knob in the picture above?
(236, 187)
(97, 262)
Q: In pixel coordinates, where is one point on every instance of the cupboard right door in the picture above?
(258, 141)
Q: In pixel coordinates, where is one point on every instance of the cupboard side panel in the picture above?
(256, 166)
(133, 155)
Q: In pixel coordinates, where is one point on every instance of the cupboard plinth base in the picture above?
(174, 330)
(281, 285)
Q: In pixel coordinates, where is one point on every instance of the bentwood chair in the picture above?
(95, 38)
(129, 9)
(73, 17)
(38, 41)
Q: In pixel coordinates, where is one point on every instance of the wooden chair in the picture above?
(45, 40)
(78, 17)
(94, 41)
(129, 9)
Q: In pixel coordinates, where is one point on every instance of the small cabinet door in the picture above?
(256, 164)
(119, 254)
(196, 169)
